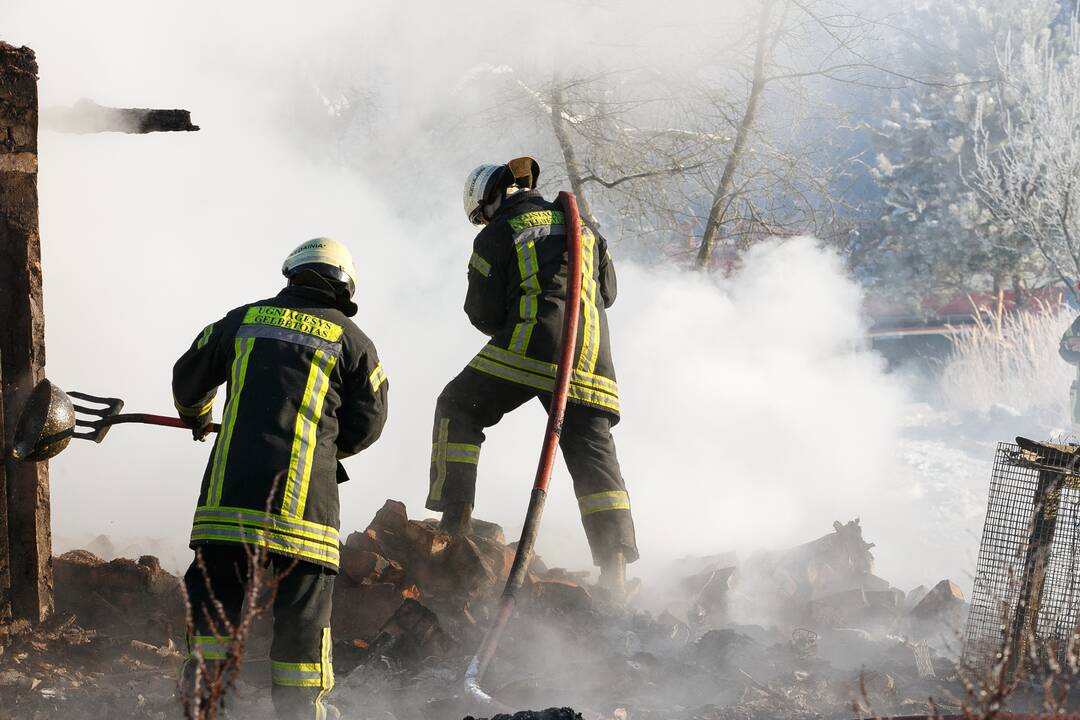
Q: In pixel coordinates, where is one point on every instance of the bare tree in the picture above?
(705, 157)
(764, 47)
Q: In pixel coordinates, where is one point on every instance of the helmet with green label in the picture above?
(325, 256)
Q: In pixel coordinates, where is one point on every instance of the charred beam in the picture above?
(86, 116)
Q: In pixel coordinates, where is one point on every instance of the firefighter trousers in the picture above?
(474, 401)
(300, 656)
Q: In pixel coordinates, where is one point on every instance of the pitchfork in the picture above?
(50, 419)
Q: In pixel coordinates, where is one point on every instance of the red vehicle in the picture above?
(904, 331)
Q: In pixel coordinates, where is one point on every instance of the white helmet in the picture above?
(483, 183)
(480, 188)
(327, 257)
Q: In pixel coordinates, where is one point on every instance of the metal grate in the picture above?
(1027, 582)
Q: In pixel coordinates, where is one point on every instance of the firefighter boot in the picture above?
(457, 519)
(613, 575)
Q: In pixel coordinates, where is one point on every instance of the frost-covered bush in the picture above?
(934, 232)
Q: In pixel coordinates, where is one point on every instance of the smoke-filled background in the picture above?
(755, 413)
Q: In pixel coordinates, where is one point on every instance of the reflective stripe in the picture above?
(308, 674)
(293, 320)
(540, 231)
(598, 398)
(271, 332)
(585, 387)
(249, 534)
(458, 452)
(602, 502)
(480, 265)
(211, 647)
(194, 411)
(538, 217)
(582, 394)
(590, 315)
(305, 436)
(529, 304)
(438, 458)
(296, 674)
(241, 352)
(377, 378)
(243, 516)
(327, 658)
(204, 337)
(523, 362)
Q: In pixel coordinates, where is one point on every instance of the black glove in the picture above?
(200, 426)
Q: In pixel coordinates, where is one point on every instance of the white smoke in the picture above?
(753, 414)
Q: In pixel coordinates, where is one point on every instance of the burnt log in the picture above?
(86, 116)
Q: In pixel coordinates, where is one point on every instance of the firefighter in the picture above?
(304, 389)
(1070, 352)
(516, 296)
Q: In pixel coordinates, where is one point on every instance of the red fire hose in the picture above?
(556, 412)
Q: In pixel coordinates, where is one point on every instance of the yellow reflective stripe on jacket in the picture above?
(246, 517)
(523, 362)
(241, 353)
(204, 337)
(194, 411)
(536, 218)
(377, 378)
(529, 304)
(293, 320)
(306, 434)
(590, 314)
(533, 234)
(209, 646)
(480, 265)
(583, 394)
(438, 458)
(604, 501)
(584, 380)
(249, 534)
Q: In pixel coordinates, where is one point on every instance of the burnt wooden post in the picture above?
(5, 575)
(1025, 625)
(22, 333)
(26, 589)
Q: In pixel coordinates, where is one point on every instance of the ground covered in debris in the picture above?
(411, 605)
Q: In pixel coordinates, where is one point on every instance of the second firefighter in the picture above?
(516, 296)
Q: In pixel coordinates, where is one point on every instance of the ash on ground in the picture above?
(411, 605)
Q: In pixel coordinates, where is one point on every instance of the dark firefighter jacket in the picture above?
(517, 292)
(1068, 354)
(304, 388)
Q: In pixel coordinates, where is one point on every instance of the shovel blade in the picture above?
(45, 425)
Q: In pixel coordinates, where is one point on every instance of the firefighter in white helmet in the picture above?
(305, 388)
(516, 296)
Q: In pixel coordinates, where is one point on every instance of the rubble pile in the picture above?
(133, 599)
(826, 583)
(412, 604)
(846, 633)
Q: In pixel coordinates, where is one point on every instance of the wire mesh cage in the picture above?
(1027, 583)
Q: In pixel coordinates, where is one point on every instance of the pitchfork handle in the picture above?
(148, 419)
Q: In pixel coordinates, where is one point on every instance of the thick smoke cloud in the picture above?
(753, 414)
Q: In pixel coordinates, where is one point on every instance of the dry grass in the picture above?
(1011, 360)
